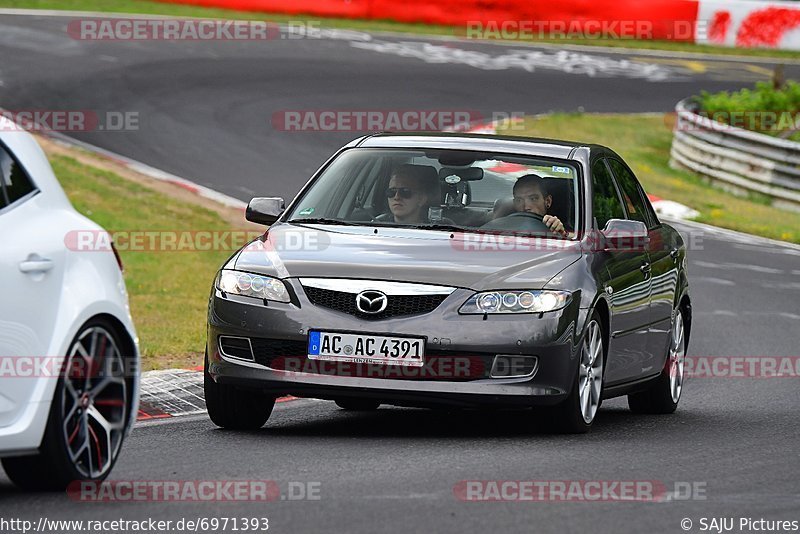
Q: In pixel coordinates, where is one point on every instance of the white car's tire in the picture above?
(89, 415)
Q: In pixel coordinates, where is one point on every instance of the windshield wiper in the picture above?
(445, 228)
(320, 220)
(512, 233)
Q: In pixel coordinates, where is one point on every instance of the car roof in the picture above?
(479, 142)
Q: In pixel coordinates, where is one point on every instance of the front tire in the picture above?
(89, 414)
(233, 408)
(663, 396)
(577, 413)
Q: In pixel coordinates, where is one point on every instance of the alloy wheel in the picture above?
(677, 358)
(590, 375)
(94, 402)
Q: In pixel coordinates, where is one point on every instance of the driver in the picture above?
(411, 191)
(531, 196)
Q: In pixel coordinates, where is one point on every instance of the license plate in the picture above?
(362, 348)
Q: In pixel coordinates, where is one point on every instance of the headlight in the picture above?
(515, 302)
(251, 285)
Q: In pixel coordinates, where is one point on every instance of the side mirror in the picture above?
(264, 210)
(625, 235)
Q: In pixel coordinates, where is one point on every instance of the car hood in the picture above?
(466, 260)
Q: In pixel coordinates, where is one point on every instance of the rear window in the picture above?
(15, 183)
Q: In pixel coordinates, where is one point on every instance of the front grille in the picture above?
(265, 351)
(439, 365)
(399, 305)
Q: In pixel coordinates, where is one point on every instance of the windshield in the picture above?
(446, 189)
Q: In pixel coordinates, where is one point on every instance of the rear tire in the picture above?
(576, 414)
(89, 414)
(357, 405)
(663, 396)
(233, 408)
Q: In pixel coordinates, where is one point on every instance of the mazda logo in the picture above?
(371, 301)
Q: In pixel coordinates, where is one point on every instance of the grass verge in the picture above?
(168, 290)
(157, 8)
(644, 142)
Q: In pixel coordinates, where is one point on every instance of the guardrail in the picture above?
(736, 159)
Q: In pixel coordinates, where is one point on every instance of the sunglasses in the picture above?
(404, 192)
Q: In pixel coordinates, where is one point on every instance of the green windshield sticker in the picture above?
(306, 211)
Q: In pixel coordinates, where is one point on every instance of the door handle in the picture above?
(35, 264)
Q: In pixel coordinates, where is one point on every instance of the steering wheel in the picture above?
(520, 221)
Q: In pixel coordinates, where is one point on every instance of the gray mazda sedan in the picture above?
(454, 270)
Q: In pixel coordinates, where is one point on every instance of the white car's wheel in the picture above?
(89, 415)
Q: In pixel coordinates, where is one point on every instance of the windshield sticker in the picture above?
(563, 170)
(306, 211)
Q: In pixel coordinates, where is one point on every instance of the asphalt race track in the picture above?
(205, 113)
(205, 108)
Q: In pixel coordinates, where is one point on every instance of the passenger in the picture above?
(531, 196)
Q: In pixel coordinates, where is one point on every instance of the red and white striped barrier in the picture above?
(741, 23)
(747, 23)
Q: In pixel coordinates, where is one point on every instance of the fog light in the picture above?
(236, 347)
(514, 366)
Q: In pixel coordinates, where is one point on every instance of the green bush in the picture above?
(763, 109)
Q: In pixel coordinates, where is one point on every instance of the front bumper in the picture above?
(468, 340)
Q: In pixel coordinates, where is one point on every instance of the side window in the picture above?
(630, 191)
(5, 171)
(3, 198)
(16, 183)
(651, 213)
(605, 201)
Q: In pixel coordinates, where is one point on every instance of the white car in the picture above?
(69, 372)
